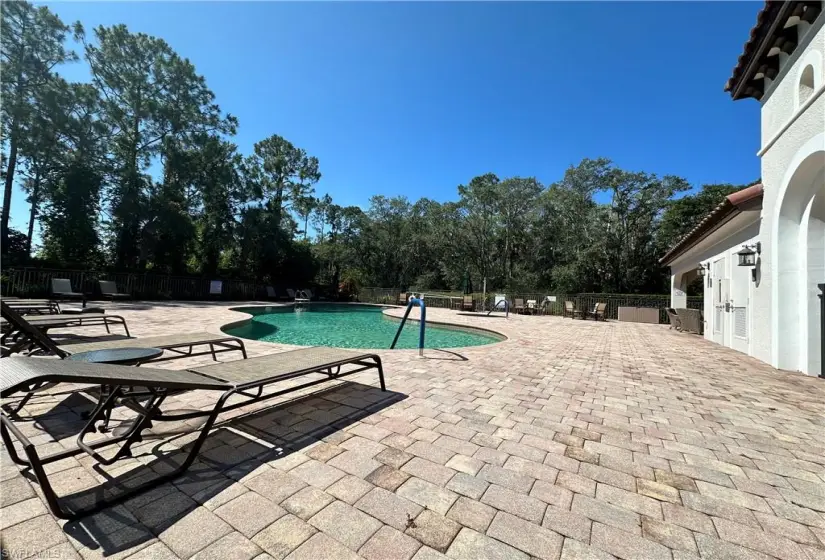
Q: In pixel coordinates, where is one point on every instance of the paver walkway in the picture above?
(570, 439)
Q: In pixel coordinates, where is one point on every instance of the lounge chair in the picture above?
(108, 289)
(675, 320)
(270, 293)
(290, 293)
(467, 303)
(307, 293)
(518, 305)
(569, 309)
(143, 391)
(34, 306)
(402, 298)
(532, 306)
(69, 321)
(31, 336)
(62, 289)
(598, 311)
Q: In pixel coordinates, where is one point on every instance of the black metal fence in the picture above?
(580, 301)
(36, 283)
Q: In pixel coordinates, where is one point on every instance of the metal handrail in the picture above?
(422, 327)
(506, 308)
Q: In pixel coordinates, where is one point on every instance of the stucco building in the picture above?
(772, 310)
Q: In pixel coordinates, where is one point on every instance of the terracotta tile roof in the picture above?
(769, 32)
(763, 20)
(729, 207)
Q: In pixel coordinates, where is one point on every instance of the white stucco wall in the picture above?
(787, 127)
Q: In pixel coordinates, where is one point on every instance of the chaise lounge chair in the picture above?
(31, 335)
(108, 289)
(270, 293)
(68, 321)
(143, 391)
(62, 289)
(467, 303)
(33, 306)
(518, 306)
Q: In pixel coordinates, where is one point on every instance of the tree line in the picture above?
(82, 153)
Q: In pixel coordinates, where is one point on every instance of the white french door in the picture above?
(721, 285)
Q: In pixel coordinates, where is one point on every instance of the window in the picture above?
(806, 84)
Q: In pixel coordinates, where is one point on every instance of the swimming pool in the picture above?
(348, 326)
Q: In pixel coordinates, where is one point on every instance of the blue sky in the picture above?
(416, 98)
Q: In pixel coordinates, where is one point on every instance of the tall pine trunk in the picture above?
(13, 143)
(35, 200)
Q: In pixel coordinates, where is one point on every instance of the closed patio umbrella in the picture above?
(468, 283)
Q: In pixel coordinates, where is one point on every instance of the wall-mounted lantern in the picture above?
(703, 271)
(749, 255)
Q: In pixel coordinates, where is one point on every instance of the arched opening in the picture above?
(813, 223)
(800, 265)
(806, 84)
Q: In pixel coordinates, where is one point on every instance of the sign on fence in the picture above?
(215, 287)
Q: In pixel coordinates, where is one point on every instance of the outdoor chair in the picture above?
(143, 391)
(675, 320)
(62, 289)
(290, 293)
(599, 311)
(467, 303)
(67, 321)
(31, 335)
(33, 306)
(402, 298)
(270, 293)
(518, 306)
(691, 320)
(307, 293)
(108, 289)
(532, 306)
(569, 309)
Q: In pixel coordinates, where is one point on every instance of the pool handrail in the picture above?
(422, 326)
(506, 308)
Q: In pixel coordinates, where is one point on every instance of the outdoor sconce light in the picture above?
(703, 272)
(748, 256)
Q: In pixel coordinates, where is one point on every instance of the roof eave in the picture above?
(733, 204)
(778, 20)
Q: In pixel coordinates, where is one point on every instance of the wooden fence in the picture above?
(580, 301)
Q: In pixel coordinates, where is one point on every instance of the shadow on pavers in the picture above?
(232, 450)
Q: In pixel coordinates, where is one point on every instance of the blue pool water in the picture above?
(347, 326)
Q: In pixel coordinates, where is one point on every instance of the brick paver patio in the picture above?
(571, 439)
